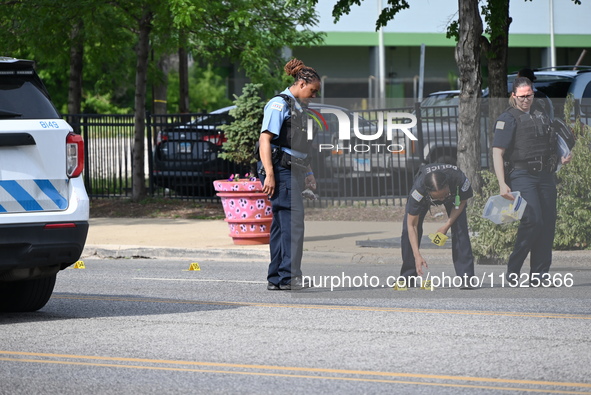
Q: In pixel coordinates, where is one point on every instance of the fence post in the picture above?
(149, 124)
(419, 131)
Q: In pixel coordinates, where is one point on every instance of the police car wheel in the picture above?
(26, 296)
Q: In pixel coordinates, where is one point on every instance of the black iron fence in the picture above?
(181, 153)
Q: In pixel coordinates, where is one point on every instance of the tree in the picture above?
(252, 33)
(468, 61)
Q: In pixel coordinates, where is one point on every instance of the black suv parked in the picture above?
(186, 157)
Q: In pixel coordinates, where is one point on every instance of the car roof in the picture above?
(222, 110)
(449, 92)
(16, 64)
(312, 104)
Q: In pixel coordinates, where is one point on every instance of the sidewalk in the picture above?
(124, 237)
(324, 240)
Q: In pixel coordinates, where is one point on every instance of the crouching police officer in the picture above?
(525, 159)
(437, 184)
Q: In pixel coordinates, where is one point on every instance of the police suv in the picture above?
(44, 207)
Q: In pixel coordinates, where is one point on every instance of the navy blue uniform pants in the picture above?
(462, 256)
(287, 229)
(535, 235)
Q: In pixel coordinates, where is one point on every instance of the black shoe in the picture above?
(511, 280)
(295, 284)
(272, 287)
(467, 284)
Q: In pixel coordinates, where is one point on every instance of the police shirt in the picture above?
(505, 131)
(276, 112)
(419, 201)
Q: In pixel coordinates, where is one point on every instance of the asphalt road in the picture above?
(151, 326)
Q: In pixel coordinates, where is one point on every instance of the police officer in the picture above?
(525, 159)
(285, 173)
(437, 184)
(540, 98)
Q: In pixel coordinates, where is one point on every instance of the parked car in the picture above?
(558, 82)
(186, 157)
(44, 207)
(437, 132)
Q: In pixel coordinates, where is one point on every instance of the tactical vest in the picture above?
(533, 137)
(293, 133)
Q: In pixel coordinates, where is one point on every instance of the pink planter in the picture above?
(248, 210)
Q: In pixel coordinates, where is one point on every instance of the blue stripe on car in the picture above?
(20, 195)
(47, 187)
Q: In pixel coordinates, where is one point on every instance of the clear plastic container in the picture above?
(503, 211)
(563, 151)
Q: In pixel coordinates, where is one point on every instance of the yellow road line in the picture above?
(335, 307)
(14, 356)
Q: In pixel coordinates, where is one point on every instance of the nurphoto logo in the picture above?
(396, 122)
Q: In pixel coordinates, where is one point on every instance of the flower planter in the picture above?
(248, 210)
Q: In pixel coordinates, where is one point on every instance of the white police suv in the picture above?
(44, 207)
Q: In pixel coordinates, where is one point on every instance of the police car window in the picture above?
(21, 96)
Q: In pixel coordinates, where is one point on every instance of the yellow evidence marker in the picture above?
(79, 265)
(438, 238)
(194, 266)
(401, 285)
(427, 285)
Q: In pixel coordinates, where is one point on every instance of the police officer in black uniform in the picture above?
(437, 184)
(525, 159)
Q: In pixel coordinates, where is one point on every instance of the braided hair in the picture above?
(435, 181)
(299, 71)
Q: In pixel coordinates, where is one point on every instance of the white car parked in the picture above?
(44, 207)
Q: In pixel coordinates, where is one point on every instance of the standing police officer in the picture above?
(437, 184)
(525, 159)
(283, 169)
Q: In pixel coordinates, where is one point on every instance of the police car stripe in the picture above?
(9, 204)
(20, 195)
(52, 193)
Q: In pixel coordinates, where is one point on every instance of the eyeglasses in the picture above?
(525, 97)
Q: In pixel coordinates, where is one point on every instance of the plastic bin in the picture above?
(503, 211)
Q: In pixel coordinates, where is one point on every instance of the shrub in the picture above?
(244, 132)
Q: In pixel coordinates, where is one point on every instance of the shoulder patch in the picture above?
(277, 106)
(416, 195)
(500, 125)
(466, 185)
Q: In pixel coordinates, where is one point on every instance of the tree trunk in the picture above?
(183, 80)
(142, 50)
(161, 86)
(496, 53)
(76, 67)
(468, 61)
(160, 94)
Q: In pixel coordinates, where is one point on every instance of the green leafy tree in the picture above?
(207, 90)
(467, 54)
(115, 35)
